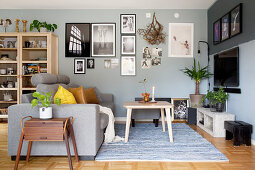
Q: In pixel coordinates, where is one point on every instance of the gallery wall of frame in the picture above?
(228, 25)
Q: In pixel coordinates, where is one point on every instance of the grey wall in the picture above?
(167, 78)
(222, 7)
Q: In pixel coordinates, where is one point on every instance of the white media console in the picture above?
(213, 122)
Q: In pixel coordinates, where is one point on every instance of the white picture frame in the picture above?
(128, 23)
(103, 40)
(128, 66)
(181, 40)
(79, 66)
(128, 44)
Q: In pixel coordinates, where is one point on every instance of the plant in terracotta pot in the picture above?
(146, 96)
(42, 26)
(197, 73)
(44, 101)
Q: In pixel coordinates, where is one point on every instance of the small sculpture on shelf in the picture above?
(17, 25)
(5, 23)
(24, 25)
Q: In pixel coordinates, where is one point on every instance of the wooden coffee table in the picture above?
(162, 105)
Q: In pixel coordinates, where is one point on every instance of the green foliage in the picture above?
(197, 73)
(37, 25)
(43, 100)
(216, 97)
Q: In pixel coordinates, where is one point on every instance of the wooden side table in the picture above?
(56, 129)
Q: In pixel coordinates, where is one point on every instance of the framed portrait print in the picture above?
(77, 40)
(128, 44)
(181, 39)
(180, 105)
(128, 23)
(103, 39)
(225, 27)
(128, 66)
(236, 21)
(79, 66)
(90, 63)
(216, 32)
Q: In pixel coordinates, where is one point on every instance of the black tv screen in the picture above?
(226, 68)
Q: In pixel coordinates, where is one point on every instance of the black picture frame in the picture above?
(217, 32)
(225, 27)
(79, 68)
(122, 45)
(100, 49)
(180, 105)
(90, 63)
(236, 20)
(80, 36)
(122, 31)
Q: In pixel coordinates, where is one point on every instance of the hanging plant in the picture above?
(153, 34)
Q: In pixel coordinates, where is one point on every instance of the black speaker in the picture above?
(192, 115)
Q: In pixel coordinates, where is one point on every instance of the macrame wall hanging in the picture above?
(153, 34)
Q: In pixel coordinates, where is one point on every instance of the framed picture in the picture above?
(128, 66)
(107, 64)
(103, 40)
(90, 63)
(128, 46)
(216, 32)
(225, 27)
(180, 106)
(79, 66)
(77, 40)
(146, 63)
(236, 20)
(128, 23)
(147, 52)
(181, 40)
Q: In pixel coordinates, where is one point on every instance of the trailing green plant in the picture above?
(197, 73)
(37, 25)
(213, 97)
(43, 100)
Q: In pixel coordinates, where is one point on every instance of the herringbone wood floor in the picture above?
(240, 158)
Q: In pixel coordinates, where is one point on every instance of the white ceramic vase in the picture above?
(42, 29)
(45, 112)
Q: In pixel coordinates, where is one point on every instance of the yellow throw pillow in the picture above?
(78, 94)
(90, 96)
(65, 96)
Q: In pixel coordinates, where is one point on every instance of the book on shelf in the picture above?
(33, 69)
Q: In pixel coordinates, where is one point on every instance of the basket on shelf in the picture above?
(4, 111)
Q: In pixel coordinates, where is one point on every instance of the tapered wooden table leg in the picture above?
(74, 143)
(163, 119)
(19, 151)
(29, 150)
(129, 111)
(169, 124)
(68, 151)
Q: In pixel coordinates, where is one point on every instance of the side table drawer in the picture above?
(44, 137)
(43, 124)
(43, 130)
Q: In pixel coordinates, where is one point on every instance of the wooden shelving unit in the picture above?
(21, 57)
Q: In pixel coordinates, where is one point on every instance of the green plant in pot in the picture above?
(44, 101)
(197, 73)
(42, 26)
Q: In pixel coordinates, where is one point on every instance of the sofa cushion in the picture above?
(78, 94)
(104, 120)
(44, 78)
(90, 96)
(65, 96)
(47, 88)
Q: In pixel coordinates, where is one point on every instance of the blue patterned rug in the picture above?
(149, 143)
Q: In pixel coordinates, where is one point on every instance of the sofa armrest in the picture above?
(27, 98)
(106, 97)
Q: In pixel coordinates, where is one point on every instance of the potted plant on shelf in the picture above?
(44, 101)
(42, 26)
(146, 96)
(197, 74)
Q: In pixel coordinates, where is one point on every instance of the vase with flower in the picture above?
(146, 96)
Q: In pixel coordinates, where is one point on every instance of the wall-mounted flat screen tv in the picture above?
(226, 68)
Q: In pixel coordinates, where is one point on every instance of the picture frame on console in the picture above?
(225, 27)
(180, 105)
(103, 39)
(79, 66)
(236, 20)
(128, 23)
(128, 44)
(77, 39)
(128, 66)
(217, 32)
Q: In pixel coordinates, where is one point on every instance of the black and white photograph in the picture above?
(225, 27)
(128, 66)
(147, 52)
(156, 61)
(128, 45)
(146, 63)
(156, 52)
(114, 63)
(107, 64)
(79, 66)
(103, 40)
(77, 40)
(236, 20)
(128, 23)
(90, 63)
(180, 107)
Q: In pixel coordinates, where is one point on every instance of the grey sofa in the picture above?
(89, 124)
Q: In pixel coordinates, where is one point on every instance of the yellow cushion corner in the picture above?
(65, 96)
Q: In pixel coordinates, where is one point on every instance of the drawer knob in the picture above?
(43, 137)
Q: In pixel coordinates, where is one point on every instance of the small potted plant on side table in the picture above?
(44, 101)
